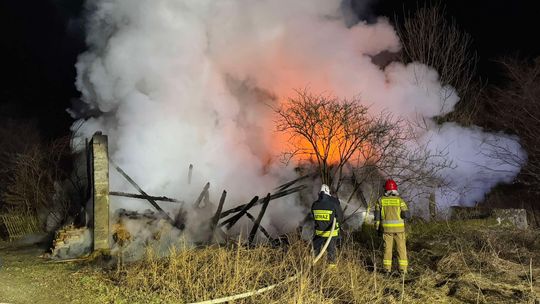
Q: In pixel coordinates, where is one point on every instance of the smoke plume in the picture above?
(181, 82)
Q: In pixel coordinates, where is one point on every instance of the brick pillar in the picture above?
(100, 190)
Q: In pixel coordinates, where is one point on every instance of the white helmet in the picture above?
(325, 189)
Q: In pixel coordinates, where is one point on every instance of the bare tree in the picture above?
(429, 37)
(35, 176)
(351, 147)
(515, 108)
(16, 137)
(349, 144)
(329, 131)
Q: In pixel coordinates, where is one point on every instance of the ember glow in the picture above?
(180, 82)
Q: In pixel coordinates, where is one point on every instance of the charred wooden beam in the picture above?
(190, 173)
(145, 197)
(258, 221)
(204, 193)
(215, 218)
(264, 231)
(288, 184)
(180, 219)
(89, 177)
(272, 197)
(206, 199)
(233, 219)
(148, 198)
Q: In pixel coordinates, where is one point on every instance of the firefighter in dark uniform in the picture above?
(324, 210)
(390, 212)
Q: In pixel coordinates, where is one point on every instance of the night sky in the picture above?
(40, 41)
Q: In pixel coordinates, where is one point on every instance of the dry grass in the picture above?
(452, 263)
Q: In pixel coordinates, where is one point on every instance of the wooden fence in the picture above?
(19, 225)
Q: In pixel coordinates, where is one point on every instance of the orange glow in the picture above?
(282, 71)
(305, 151)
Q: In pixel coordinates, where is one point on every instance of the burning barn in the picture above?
(129, 233)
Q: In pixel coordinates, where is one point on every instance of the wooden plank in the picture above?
(215, 218)
(18, 226)
(258, 221)
(190, 173)
(11, 232)
(263, 230)
(286, 185)
(272, 197)
(88, 170)
(233, 219)
(13, 228)
(145, 197)
(203, 194)
(36, 224)
(9, 229)
(152, 202)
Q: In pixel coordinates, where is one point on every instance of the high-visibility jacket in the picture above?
(390, 212)
(324, 210)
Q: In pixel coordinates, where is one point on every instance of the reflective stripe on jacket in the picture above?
(324, 210)
(389, 212)
(325, 216)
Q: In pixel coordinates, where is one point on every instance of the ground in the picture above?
(453, 262)
(25, 277)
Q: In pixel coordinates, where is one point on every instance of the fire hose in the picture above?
(267, 288)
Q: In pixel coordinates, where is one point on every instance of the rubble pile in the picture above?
(71, 242)
(133, 233)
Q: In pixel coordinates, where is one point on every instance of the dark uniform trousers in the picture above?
(318, 243)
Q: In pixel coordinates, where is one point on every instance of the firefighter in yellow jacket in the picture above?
(390, 211)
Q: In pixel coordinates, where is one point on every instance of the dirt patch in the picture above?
(27, 278)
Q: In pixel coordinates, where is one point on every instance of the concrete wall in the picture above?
(100, 191)
(513, 217)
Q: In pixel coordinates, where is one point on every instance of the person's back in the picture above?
(391, 208)
(324, 210)
(390, 211)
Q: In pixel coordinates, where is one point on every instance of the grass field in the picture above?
(452, 262)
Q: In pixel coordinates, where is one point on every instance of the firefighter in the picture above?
(324, 210)
(390, 212)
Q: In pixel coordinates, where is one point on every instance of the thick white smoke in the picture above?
(475, 169)
(184, 82)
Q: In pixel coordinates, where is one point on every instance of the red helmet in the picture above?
(390, 185)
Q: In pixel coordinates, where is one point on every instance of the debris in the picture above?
(272, 197)
(215, 218)
(258, 221)
(147, 197)
(71, 242)
(233, 219)
(204, 194)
